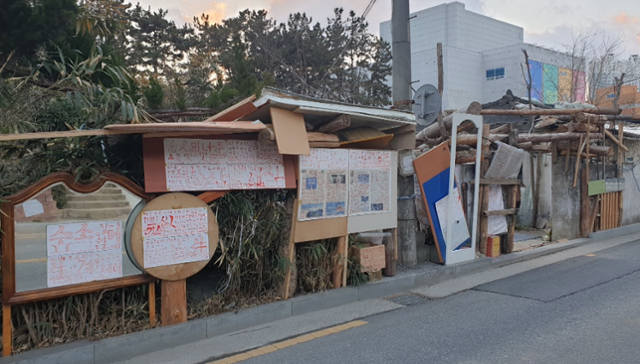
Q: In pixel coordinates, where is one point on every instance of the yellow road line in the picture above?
(287, 343)
(31, 260)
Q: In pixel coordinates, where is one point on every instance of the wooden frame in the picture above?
(7, 217)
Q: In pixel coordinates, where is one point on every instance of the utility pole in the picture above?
(401, 93)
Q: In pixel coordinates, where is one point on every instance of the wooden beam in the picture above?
(173, 298)
(443, 129)
(578, 158)
(484, 195)
(236, 111)
(615, 140)
(433, 131)
(585, 205)
(551, 137)
(340, 122)
(534, 112)
(511, 211)
(60, 134)
(210, 196)
(152, 304)
(495, 181)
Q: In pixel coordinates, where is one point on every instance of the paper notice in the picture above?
(506, 162)
(166, 223)
(64, 270)
(323, 184)
(91, 236)
(175, 250)
(204, 164)
(497, 224)
(459, 226)
(32, 208)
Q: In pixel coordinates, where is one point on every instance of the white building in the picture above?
(613, 68)
(483, 58)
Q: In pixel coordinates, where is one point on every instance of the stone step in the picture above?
(96, 214)
(109, 191)
(96, 204)
(96, 197)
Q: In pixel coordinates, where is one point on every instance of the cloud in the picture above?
(217, 11)
(624, 19)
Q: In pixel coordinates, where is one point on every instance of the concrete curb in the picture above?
(144, 342)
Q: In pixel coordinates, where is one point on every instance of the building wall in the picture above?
(629, 100)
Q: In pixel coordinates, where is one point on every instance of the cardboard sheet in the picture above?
(291, 132)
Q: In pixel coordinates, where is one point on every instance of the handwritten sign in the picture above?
(63, 270)
(175, 236)
(32, 208)
(91, 236)
(325, 159)
(199, 164)
(176, 250)
(168, 223)
(369, 159)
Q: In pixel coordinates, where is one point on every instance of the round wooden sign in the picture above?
(174, 236)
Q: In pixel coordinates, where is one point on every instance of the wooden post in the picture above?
(338, 269)
(152, 304)
(484, 194)
(291, 252)
(620, 171)
(174, 302)
(585, 208)
(7, 332)
(443, 129)
(390, 261)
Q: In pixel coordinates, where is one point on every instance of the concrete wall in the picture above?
(631, 194)
(542, 168)
(565, 204)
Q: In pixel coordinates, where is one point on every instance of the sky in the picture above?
(548, 23)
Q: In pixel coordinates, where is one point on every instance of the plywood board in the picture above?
(432, 170)
(291, 132)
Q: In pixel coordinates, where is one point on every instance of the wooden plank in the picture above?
(7, 332)
(173, 299)
(534, 112)
(290, 253)
(152, 304)
(236, 111)
(210, 196)
(585, 205)
(554, 152)
(319, 229)
(197, 126)
(291, 133)
(443, 129)
(511, 211)
(59, 134)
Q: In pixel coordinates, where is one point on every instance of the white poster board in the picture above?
(32, 208)
(83, 252)
(175, 236)
(460, 227)
(205, 164)
(322, 190)
(369, 182)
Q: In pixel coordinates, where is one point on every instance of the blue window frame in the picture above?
(495, 73)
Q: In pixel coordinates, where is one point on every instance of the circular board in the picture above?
(426, 104)
(173, 201)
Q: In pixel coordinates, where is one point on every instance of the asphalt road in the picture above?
(583, 310)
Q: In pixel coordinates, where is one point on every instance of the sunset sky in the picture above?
(549, 23)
